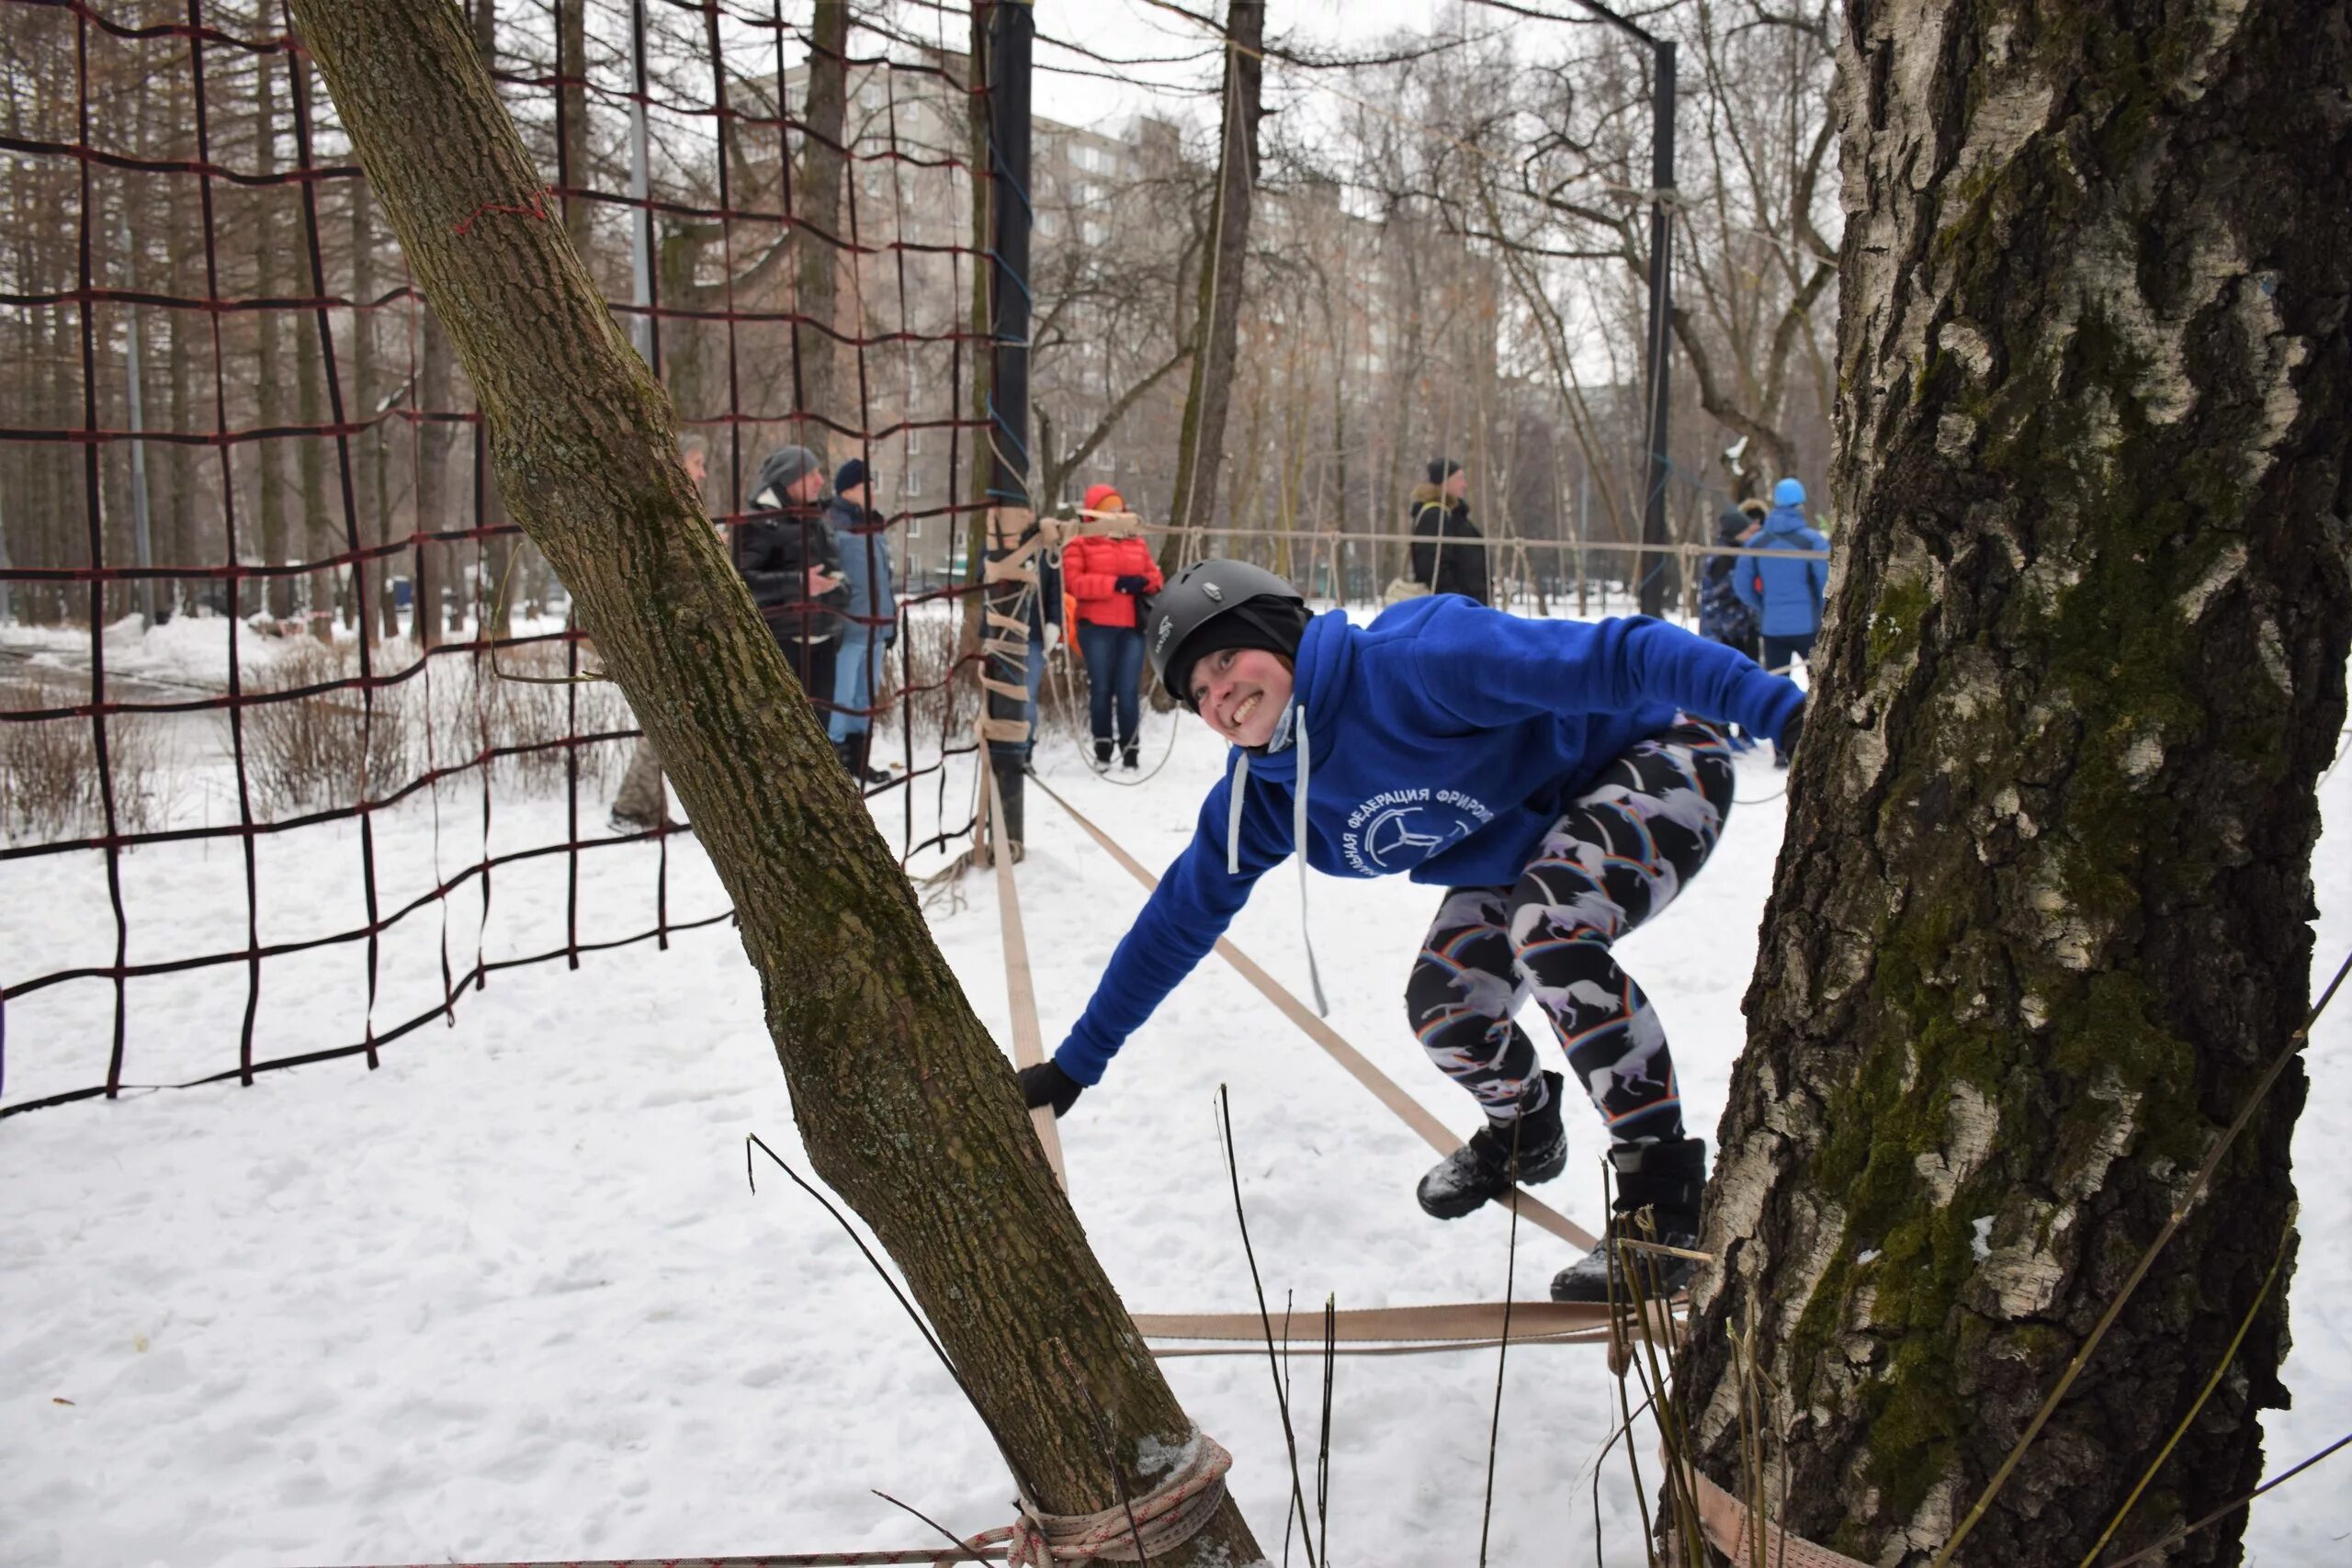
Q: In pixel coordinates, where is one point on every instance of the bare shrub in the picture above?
(526, 705)
(50, 786)
(325, 751)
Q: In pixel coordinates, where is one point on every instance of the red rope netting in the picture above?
(283, 692)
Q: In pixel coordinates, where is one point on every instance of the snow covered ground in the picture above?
(509, 1296)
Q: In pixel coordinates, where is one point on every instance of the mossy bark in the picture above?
(2040, 917)
(902, 1100)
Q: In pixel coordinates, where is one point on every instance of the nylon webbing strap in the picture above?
(1724, 1518)
(1028, 1040)
(1408, 1109)
(1393, 1331)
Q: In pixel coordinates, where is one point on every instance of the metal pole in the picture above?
(640, 190)
(1583, 505)
(1661, 320)
(1011, 27)
(8, 595)
(143, 538)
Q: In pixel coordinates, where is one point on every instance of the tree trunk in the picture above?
(2040, 919)
(311, 350)
(903, 1100)
(271, 496)
(434, 439)
(376, 528)
(1200, 439)
(817, 206)
(494, 555)
(571, 104)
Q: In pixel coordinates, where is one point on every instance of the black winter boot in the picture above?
(860, 749)
(1665, 1178)
(1127, 757)
(1483, 1168)
(1102, 753)
(846, 750)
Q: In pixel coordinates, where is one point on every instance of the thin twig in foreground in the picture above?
(1274, 1361)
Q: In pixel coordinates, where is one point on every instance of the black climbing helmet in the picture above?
(1200, 593)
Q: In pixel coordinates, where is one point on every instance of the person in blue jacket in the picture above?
(870, 622)
(1559, 780)
(1785, 594)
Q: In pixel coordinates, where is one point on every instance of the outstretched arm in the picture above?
(1196, 900)
(1526, 667)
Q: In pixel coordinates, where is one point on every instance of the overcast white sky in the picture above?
(1135, 29)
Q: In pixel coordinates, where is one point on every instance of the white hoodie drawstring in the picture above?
(1233, 813)
(1298, 844)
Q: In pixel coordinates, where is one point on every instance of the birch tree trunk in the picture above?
(2039, 921)
(903, 1100)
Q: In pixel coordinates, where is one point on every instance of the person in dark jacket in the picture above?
(788, 558)
(1441, 516)
(863, 539)
(1786, 594)
(1723, 616)
(1559, 780)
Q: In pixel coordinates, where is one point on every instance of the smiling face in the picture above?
(1241, 691)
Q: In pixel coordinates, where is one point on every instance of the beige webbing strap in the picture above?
(1392, 1331)
(1408, 1109)
(1028, 1040)
(1724, 1520)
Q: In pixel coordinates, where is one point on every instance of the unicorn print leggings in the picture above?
(1618, 856)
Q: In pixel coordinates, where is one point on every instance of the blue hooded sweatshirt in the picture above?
(1785, 594)
(1440, 741)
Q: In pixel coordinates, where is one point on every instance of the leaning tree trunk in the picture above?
(2040, 917)
(1200, 440)
(902, 1098)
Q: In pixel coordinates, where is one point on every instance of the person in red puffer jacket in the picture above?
(1110, 575)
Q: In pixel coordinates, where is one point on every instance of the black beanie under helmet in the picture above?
(1274, 624)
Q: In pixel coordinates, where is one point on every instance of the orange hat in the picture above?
(1101, 497)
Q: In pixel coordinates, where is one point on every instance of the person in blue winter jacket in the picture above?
(1785, 594)
(1559, 781)
(870, 619)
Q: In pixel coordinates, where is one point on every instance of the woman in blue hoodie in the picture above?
(1556, 778)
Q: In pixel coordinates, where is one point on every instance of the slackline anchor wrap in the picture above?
(1160, 1520)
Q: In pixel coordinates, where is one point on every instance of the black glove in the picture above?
(1046, 1084)
(1791, 730)
(1131, 583)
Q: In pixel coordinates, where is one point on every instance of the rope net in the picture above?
(297, 739)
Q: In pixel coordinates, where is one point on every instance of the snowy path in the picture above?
(509, 1296)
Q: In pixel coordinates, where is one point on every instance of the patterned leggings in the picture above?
(1617, 857)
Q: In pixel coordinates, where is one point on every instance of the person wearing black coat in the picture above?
(1441, 516)
(789, 557)
(1723, 617)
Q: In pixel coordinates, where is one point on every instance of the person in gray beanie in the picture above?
(788, 555)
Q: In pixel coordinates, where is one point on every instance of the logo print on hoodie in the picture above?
(1399, 828)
